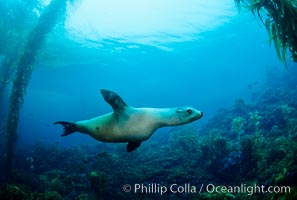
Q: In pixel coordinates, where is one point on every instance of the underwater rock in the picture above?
(51, 195)
(240, 107)
(231, 160)
(85, 196)
(97, 180)
(291, 178)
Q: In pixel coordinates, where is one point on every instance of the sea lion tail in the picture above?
(69, 127)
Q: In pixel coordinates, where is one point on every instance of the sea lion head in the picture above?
(187, 114)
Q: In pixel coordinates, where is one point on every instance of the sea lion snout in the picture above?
(199, 115)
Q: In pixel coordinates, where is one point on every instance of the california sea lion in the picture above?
(130, 124)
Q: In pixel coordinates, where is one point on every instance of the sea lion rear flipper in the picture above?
(116, 102)
(68, 127)
(132, 146)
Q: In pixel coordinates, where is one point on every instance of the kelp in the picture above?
(16, 20)
(280, 20)
(24, 65)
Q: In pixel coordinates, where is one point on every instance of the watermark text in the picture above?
(187, 188)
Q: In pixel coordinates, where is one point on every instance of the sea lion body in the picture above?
(130, 124)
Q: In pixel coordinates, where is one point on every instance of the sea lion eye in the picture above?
(189, 111)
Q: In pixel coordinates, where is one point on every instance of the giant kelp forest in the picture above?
(250, 143)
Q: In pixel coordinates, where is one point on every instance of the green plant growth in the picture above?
(259, 140)
(11, 192)
(238, 127)
(24, 65)
(280, 20)
(15, 18)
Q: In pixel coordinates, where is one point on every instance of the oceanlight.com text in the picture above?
(247, 189)
(187, 188)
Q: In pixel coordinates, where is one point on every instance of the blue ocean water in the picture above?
(207, 73)
(209, 67)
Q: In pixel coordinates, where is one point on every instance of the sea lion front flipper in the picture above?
(132, 146)
(116, 102)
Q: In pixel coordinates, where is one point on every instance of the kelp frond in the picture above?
(280, 20)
